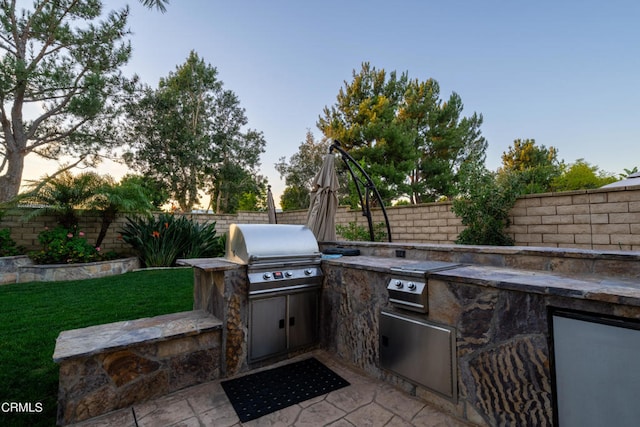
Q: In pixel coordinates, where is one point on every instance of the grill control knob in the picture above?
(266, 276)
(411, 286)
(399, 284)
(308, 272)
(288, 274)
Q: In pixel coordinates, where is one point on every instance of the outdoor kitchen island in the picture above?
(502, 305)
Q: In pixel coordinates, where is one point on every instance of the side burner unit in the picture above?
(407, 287)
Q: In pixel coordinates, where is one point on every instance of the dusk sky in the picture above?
(566, 74)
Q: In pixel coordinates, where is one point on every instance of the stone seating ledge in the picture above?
(115, 365)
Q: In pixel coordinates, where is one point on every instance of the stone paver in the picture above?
(366, 402)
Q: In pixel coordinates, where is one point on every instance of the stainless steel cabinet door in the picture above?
(303, 319)
(422, 352)
(268, 327)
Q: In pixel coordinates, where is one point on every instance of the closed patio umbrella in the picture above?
(321, 217)
(271, 207)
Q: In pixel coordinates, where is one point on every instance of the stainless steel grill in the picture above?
(279, 257)
(284, 275)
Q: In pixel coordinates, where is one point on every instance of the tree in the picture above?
(410, 141)
(535, 167)
(628, 172)
(302, 168)
(65, 195)
(60, 59)
(188, 134)
(158, 4)
(62, 196)
(581, 176)
(154, 190)
(112, 198)
(365, 121)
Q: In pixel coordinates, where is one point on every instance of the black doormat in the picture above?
(255, 395)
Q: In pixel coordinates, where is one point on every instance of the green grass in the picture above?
(33, 314)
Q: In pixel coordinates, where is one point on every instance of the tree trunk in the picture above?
(10, 181)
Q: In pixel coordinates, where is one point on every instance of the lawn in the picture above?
(33, 314)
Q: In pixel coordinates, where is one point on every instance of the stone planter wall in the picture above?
(9, 268)
(90, 270)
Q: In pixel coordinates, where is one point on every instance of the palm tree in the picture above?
(64, 195)
(158, 4)
(61, 196)
(112, 198)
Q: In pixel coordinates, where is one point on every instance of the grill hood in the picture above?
(268, 243)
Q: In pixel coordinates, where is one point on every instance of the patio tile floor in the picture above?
(366, 402)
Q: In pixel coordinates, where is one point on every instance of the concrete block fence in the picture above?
(602, 219)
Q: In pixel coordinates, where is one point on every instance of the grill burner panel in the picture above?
(407, 289)
(288, 279)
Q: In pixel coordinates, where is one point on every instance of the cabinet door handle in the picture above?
(292, 321)
(281, 323)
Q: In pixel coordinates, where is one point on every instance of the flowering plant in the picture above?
(160, 240)
(64, 246)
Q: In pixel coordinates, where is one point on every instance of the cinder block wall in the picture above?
(589, 219)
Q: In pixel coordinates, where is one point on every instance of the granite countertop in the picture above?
(209, 264)
(112, 336)
(606, 289)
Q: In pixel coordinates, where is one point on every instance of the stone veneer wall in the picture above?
(9, 268)
(115, 365)
(89, 270)
(501, 317)
(603, 219)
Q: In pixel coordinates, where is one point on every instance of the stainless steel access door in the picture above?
(268, 333)
(421, 352)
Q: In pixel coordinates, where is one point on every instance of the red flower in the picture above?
(166, 225)
(156, 234)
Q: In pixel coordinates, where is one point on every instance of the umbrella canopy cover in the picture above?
(271, 207)
(321, 217)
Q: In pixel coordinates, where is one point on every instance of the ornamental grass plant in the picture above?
(159, 241)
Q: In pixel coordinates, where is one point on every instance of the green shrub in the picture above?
(484, 208)
(8, 246)
(354, 232)
(160, 241)
(64, 246)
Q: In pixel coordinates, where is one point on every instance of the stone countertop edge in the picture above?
(611, 290)
(209, 264)
(84, 342)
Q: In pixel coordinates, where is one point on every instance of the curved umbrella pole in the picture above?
(367, 187)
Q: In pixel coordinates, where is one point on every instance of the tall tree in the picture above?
(299, 172)
(188, 134)
(443, 138)
(410, 141)
(535, 167)
(62, 65)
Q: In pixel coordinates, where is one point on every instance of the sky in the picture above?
(565, 73)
